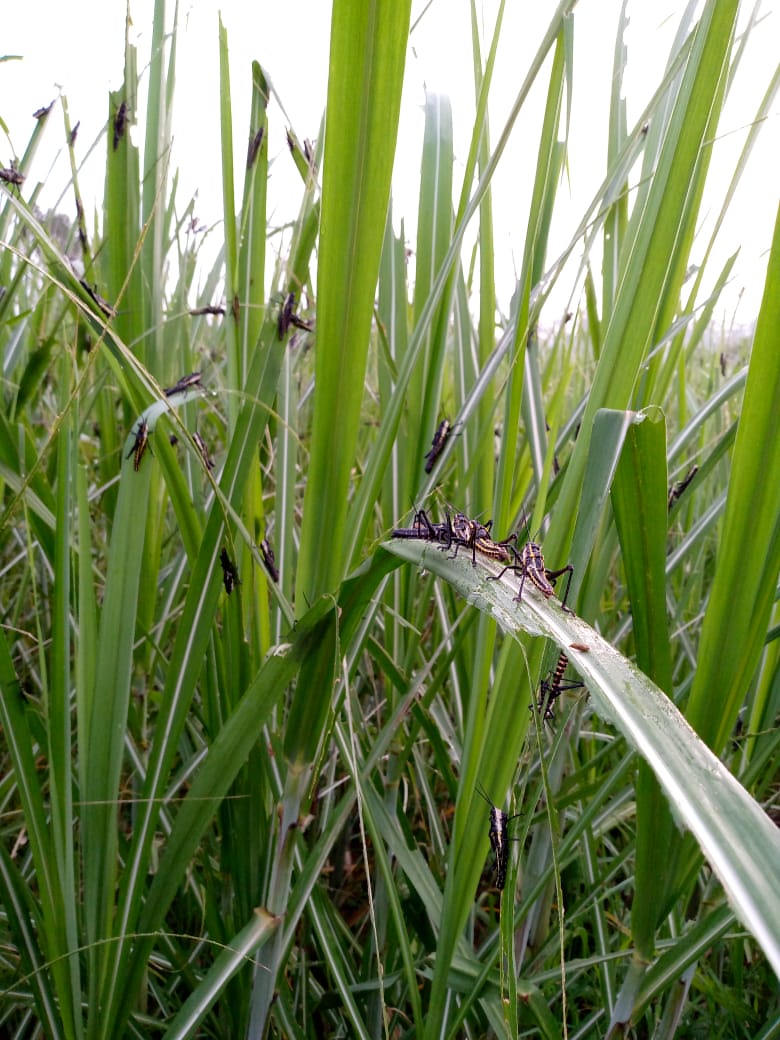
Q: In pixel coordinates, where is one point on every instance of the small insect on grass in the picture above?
(140, 444)
(424, 529)
(440, 438)
(200, 444)
(94, 295)
(530, 564)
(11, 175)
(254, 147)
(185, 383)
(553, 687)
(460, 531)
(476, 536)
(288, 317)
(269, 560)
(677, 489)
(120, 122)
(229, 572)
(498, 834)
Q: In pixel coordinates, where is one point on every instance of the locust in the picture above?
(550, 689)
(530, 564)
(185, 383)
(499, 838)
(269, 560)
(229, 572)
(140, 444)
(440, 438)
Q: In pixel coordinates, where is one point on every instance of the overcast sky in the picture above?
(77, 47)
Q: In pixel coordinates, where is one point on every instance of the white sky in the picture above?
(78, 47)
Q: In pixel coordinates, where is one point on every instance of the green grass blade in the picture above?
(368, 49)
(108, 709)
(64, 924)
(154, 182)
(16, 899)
(234, 366)
(251, 257)
(240, 948)
(639, 499)
(434, 229)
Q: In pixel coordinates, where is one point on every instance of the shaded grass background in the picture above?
(178, 758)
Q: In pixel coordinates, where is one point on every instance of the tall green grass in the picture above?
(254, 810)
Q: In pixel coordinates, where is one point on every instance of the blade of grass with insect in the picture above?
(503, 712)
(251, 256)
(122, 208)
(717, 810)
(434, 233)
(186, 662)
(378, 461)
(292, 433)
(503, 702)
(107, 713)
(502, 715)
(250, 290)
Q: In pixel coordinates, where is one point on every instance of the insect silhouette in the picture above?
(103, 305)
(424, 528)
(229, 572)
(140, 444)
(185, 383)
(440, 438)
(254, 148)
(120, 123)
(550, 689)
(269, 560)
(677, 489)
(460, 531)
(200, 444)
(11, 175)
(288, 317)
(499, 837)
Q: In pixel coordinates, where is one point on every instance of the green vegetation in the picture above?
(252, 809)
